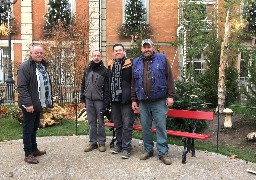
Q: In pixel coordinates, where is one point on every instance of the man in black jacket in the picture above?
(34, 88)
(120, 95)
(95, 94)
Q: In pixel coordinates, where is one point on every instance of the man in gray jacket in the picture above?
(95, 95)
(34, 88)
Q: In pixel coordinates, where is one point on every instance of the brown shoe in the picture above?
(91, 147)
(31, 159)
(38, 153)
(146, 155)
(165, 159)
(102, 148)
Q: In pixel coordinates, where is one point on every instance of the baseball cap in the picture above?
(147, 41)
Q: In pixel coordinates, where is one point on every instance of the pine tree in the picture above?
(58, 10)
(251, 17)
(134, 15)
(135, 21)
(3, 13)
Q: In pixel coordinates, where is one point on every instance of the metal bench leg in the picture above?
(193, 151)
(185, 150)
(113, 140)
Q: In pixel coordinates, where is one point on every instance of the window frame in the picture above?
(200, 61)
(3, 63)
(241, 69)
(202, 1)
(146, 5)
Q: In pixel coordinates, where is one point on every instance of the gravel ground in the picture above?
(65, 159)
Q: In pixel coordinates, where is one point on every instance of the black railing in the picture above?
(7, 94)
(63, 93)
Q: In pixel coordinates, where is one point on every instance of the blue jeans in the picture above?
(156, 111)
(30, 125)
(123, 117)
(96, 121)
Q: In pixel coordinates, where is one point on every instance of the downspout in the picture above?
(100, 25)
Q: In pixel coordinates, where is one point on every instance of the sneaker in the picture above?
(146, 155)
(165, 159)
(126, 154)
(102, 147)
(116, 150)
(31, 159)
(91, 147)
(38, 153)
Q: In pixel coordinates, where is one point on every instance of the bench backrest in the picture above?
(187, 114)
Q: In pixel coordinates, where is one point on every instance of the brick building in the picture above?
(106, 17)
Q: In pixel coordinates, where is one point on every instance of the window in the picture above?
(71, 2)
(145, 4)
(61, 68)
(242, 67)
(3, 63)
(198, 64)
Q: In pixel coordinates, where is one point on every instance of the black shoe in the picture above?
(116, 150)
(126, 154)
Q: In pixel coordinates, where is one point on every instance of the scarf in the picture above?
(96, 66)
(116, 81)
(43, 86)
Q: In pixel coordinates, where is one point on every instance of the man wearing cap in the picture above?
(153, 90)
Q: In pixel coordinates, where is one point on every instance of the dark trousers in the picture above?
(123, 117)
(30, 125)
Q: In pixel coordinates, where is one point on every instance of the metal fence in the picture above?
(7, 94)
(63, 93)
(66, 93)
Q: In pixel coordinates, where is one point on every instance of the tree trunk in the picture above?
(222, 66)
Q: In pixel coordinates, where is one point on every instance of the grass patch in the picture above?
(11, 129)
(65, 128)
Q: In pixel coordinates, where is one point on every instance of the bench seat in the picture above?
(170, 132)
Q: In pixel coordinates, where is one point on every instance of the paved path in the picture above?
(65, 160)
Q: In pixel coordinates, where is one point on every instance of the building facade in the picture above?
(105, 16)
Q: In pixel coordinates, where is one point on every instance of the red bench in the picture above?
(187, 137)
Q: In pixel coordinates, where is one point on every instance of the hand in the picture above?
(169, 101)
(134, 105)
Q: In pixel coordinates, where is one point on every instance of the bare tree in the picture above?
(68, 52)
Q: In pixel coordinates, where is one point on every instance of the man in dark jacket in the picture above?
(153, 88)
(95, 93)
(34, 88)
(121, 111)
